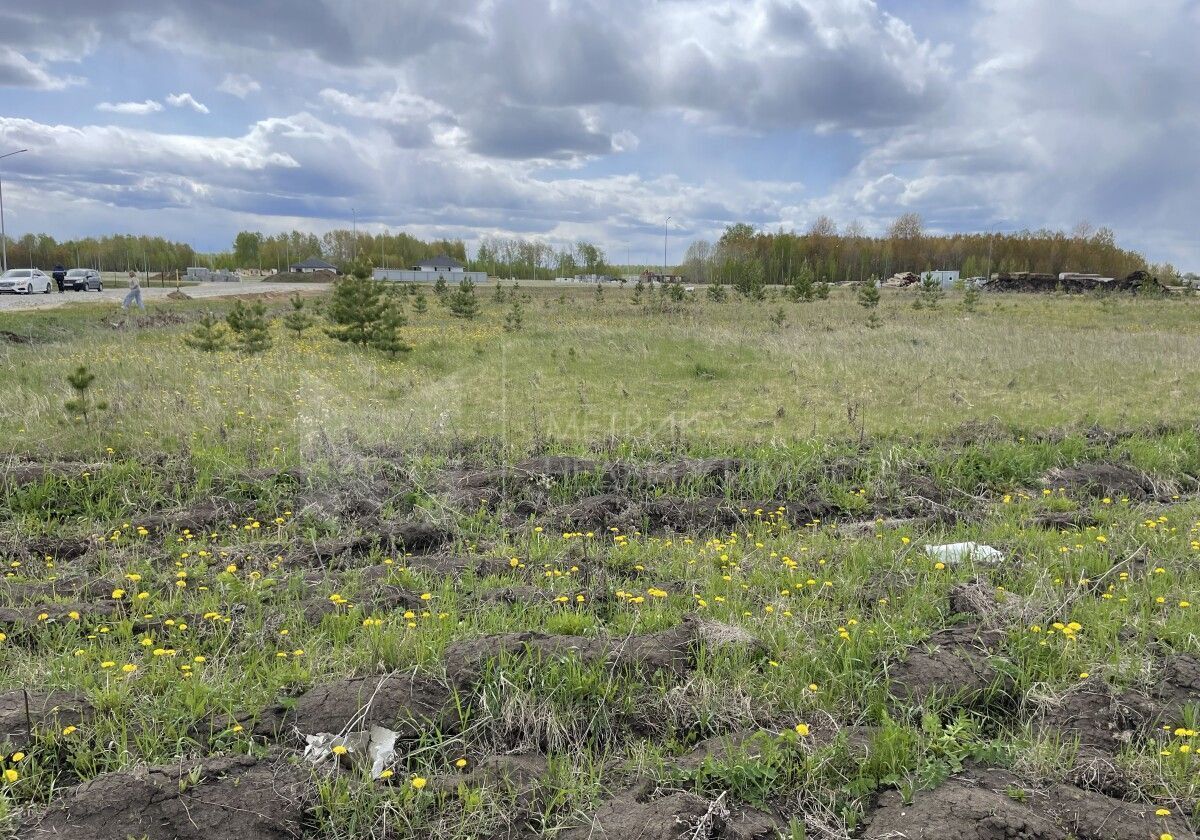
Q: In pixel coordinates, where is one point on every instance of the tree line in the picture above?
(118, 252)
(744, 256)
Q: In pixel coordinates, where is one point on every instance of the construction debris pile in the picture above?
(1139, 282)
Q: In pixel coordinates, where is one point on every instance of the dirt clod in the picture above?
(957, 663)
(224, 797)
(23, 711)
(1101, 479)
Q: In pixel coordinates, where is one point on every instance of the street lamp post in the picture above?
(664, 268)
(3, 235)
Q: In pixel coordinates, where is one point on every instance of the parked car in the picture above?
(24, 281)
(83, 280)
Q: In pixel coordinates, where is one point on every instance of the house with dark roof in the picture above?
(312, 265)
(442, 262)
(431, 270)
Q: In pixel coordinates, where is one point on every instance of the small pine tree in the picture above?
(802, 289)
(208, 335)
(439, 287)
(674, 292)
(420, 306)
(873, 320)
(462, 301)
(498, 295)
(80, 381)
(514, 320)
(717, 293)
(298, 320)
(821, 290)
(868, 293)
(599, 293)
(385, 334)
(930, 293)
(355, 308)
(778, 318)
(970, 299)
(249, 325)
(639, 288)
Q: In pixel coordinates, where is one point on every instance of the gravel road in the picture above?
(11, 303)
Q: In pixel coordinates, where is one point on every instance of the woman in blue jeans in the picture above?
(135, 294)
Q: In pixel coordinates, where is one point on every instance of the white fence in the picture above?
(407, 275)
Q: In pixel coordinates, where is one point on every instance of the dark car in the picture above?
(83, 280)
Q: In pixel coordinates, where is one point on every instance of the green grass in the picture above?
(823, 410)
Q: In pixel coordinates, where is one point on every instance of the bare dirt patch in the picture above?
(222, 797)
(958, 664)
(23, 712)
(994, 804)
(1103, 479)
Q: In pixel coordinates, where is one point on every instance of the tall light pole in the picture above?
(3, 235)
(354, 234)
(664, 269)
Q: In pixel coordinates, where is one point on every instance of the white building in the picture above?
(946, 279)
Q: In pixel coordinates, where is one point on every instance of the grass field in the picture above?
(647, 571)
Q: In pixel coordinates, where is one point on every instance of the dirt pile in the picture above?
(405, 703)
(222, 797)
(1094, 480)
(993, 804)
(956, 664)
(636, 813)
(25, 712)
(1138, 282)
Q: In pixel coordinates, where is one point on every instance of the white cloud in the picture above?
(186, 100)
(18, 70)
(239, 85)
(134, 108)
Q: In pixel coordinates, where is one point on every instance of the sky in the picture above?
(579, 119)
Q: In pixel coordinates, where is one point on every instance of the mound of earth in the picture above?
(1097, 718)
(19, 617)
(23, 712)
(626, 473)
(223, 797)
(405, 703)
(1101, 479)
(1178, 688)
(17, 475)
(1063, 520)
(957, 664)
(197, 517)
(995, 805)
(633, 815)
(667, 514)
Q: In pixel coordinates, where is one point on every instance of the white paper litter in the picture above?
(374, 750)
(954, 553)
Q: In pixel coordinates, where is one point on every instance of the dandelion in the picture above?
(419, 782)
(461, 763)
(802, 730)
(70, 730)
(118, 594)
(129, 669)
(1163, 812)
(11, 776)
(340, 750)
(386, 774)
(17, 756)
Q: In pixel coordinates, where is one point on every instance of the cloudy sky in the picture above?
(563, 119)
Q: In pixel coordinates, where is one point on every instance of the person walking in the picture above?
(60, 277)
(135, 293)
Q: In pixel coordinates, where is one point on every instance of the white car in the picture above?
(24, 281)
